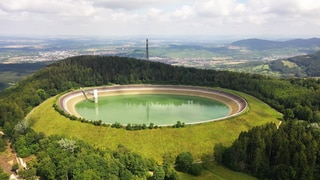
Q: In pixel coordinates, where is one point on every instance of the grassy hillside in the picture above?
(199, 139)
(299, 66)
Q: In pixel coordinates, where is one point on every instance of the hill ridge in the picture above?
(263, 44)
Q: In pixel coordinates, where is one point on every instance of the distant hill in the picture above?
(299, 66)
(261, 44)
(23, 68)
(12, 73)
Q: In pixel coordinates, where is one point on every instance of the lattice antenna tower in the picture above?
(147, 49)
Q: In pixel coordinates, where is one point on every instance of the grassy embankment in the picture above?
(198, 139)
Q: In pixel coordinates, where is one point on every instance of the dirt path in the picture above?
(8, 159)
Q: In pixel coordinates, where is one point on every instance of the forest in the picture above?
(297, 99)
(289, 152)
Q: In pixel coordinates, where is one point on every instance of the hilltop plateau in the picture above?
(62, 155)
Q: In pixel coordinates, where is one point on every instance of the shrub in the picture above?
(179, 125)
(184, 161)
(116, 125)
(15, 167)
(195, 169)
(151, 126)
(144, 126)
(129, 127)
(97, 123)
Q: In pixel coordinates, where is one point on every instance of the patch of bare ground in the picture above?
(8, 159)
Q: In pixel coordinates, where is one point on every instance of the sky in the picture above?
(243, 18)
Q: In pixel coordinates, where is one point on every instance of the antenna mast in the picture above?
(147, 50)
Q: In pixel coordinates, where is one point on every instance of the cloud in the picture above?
(36, 6)
(184, 13)
(214, 8)
(125, 4)
(171, 17)
(62, 8)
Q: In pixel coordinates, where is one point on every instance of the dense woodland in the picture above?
(295, 98)
(290, 152)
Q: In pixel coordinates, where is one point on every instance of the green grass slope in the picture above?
(198, 139)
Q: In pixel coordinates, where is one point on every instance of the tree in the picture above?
(151, 126)
(90, 175)
(288, 114)
(303, 113)
(179, 125)
(158, 173)
(196, 170)
(170, 173)
(21, 127)
(184, 161)
(129, 127)
(144, 126)
(42, 94)
(68, 144)
(21, 148)
(46, 168)
(316, 116)
(29, 174)
(219, 150)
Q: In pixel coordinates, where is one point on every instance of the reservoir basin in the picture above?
(160, 109)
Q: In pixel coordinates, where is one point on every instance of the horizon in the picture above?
(182, 38)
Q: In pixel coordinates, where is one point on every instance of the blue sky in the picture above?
(241, 18)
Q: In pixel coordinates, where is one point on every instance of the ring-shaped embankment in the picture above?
(236, 104)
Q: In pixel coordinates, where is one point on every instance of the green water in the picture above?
(160, 109)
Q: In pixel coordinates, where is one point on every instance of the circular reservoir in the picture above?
(160, 109)
(158, 104)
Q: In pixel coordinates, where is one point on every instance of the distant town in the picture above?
(208, 54)
(184, 52)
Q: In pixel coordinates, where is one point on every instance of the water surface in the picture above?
(160, 109)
